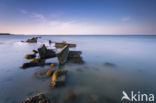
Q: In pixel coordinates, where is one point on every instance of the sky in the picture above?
(78, 16)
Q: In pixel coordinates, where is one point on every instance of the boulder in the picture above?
(44, 73)
(62, 55)
(61, 45)
(40, 98)
(74, 53)
(34, 62)
(109, 64)
(45, 53)
(32, 40)
(35, 51)
(58, 78)
(30, 56)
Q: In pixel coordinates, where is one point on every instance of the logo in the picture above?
(137, 97)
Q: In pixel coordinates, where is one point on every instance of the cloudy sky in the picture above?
(78, 16)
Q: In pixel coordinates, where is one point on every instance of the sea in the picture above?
(133, 70)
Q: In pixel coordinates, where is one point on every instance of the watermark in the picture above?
(137, 97)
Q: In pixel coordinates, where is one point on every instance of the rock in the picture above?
(35, 51)
(34, 62)
(44, 73)
(74, 53)
(58, 78)
(30, 56)
(109, 64)
(40, 98)
(76, 60)
(70, 97)
(32, 40)
(53, 65)
(50, 72)
(50, 41)
(74, 57)
(61, 45)
(62, 55)
(45, 53)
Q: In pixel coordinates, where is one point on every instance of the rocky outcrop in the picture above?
(45, 53)
(58, 78)
(40, 98)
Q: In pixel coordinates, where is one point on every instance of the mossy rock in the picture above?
(32, 40)
(35, 51)
(49, 73)
(53, 65)
(30, 56)
(58, 78)
(40, 98)
(44, 73)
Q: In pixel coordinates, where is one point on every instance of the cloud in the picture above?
(124, 19)
(37, 15)
(23, 11)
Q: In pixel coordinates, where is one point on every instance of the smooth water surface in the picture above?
(135, 68)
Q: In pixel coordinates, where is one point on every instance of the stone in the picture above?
(32, 40)
(58, 78)
(35, 51)
(62, 55)
(53, 65)
(50, 73)
(76, 60)
(45, 53)
(44, 73)
(30, 56)
(39, 98)
(109, 64)
(74, 57)
(61, 45)
(74, 53)
(34, 62)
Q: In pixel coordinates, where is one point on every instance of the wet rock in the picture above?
(109, 64)
(45, 53)
(71, 97)
(32, 40)
(58, 78)
(76, 60)
(35, 51)
(30, 56)
(74, 57)
(74, 53)
(50, 42)
(62, 55)
(53, 65)
(49, 73)
(34, 62)
(40, 98)
(44, 73)
(61, 45)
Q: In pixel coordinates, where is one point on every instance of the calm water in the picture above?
(135, 70)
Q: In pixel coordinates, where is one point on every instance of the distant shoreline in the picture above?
(5, 34)
(79, 34)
